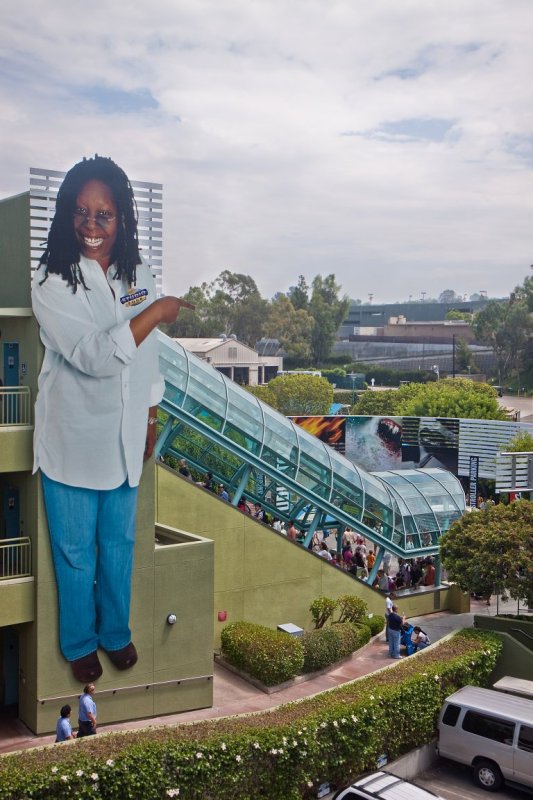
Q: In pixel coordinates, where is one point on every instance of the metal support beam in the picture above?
(242, 484)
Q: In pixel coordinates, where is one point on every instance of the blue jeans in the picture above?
(394, 643)
(92, 534)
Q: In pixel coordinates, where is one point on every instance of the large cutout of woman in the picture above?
(95, 412)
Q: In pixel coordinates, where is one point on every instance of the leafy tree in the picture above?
(299, 295)
(491, 551)
(328, 311)
(521, 443)
(377, 404)
(448, 296)
(236, 305)
(193, 323)
(264, 394)
(451, 397)
(446, 398)
(291, 326)
(507, 327)
(464, 359)
(231, 304)
(455, 314)
(301, 394)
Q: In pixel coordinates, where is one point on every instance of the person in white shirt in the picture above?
(95, 412)
(323, 551)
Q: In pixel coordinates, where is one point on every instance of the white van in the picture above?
(490, 731)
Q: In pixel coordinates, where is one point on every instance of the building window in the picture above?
(232, 352)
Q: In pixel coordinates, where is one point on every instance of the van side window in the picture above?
(525, 738)
(451, 715)
(498, 730)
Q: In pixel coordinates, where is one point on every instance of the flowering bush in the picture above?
(283, 753)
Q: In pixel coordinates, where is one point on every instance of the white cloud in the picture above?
(239, 107)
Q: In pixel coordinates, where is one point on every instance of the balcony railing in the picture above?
(15, 558)
(15, 405)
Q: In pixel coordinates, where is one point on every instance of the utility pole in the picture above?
(453, 355)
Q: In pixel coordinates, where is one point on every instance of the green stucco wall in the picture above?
(175, 662)
(260, 575)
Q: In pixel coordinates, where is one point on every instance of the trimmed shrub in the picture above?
(375, 623)
(321, 648)
(284, 752)
(321, 610)
(270, 656)
(352, 608)
(351, 637)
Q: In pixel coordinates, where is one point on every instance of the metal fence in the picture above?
(15, 405)
(15, 558)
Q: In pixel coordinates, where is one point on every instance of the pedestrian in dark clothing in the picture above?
(395, 623)
(87, 712)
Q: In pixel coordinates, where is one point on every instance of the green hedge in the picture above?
(271, 656)
(283, 753)
(376, 623)
(321, 648)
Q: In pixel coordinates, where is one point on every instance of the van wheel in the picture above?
(488, 776)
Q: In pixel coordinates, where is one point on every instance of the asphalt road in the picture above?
(455, 782)
(522, 404)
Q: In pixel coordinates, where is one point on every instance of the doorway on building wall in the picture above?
(9, 669)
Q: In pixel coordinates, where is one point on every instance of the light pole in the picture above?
(353, 377)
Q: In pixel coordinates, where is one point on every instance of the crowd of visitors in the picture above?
(354, 557)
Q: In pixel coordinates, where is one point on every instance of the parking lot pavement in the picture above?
(454, 782)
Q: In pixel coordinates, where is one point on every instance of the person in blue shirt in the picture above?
(87, 712)
(63, 728)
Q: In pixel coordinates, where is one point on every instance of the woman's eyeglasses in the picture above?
(101, 218)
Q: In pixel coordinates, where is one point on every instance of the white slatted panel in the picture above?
(486, 438)
(44, 184)
(514, 472)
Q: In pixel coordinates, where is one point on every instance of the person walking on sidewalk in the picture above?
(395, 632)
(87, 712)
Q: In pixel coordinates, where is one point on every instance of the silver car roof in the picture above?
(517, 709)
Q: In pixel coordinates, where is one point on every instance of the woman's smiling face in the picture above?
(95, 222)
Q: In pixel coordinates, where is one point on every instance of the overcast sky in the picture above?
(388, 142)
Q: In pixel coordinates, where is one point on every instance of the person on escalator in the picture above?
(95, 414)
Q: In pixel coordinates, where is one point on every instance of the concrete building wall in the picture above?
(15, 252)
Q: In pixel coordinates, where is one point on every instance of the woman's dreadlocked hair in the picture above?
(62, 254)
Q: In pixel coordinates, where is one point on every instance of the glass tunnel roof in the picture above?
(256, 451)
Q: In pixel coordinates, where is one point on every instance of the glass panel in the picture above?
(344, 468)
(494, 728)
(275, 460)
(244, 414)
(279, 435)
(525, 738)
(237, 436)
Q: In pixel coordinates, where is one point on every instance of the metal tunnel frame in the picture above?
(255, 451)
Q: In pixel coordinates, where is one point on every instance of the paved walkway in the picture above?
(232, 695)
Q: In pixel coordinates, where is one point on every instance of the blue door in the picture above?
(10, 406)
